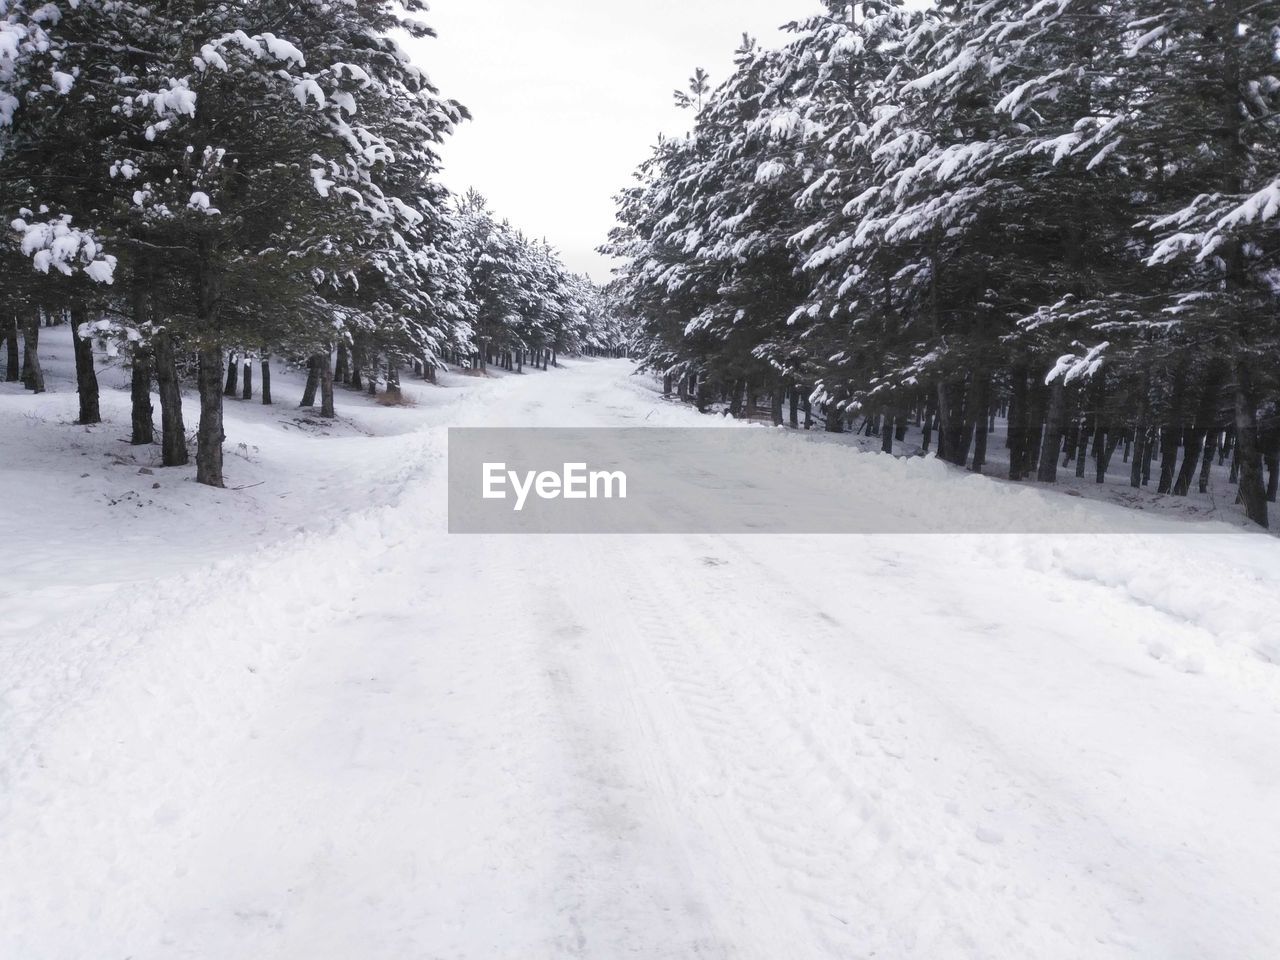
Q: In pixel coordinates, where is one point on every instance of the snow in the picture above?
(101, 271)
(771, 171)
(210, 57)
(321, 183)
(177, 99)
(299, 720)
(282, 49)
(307, 89)
(124, 168)
(201, 203)
(345, 101)
(58, 244)
(1260, 207)
(354, 71)
(1071, 367)
(62, 82)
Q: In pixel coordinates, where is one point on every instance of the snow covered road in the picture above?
(375, 741)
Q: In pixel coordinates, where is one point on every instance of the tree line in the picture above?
(210, 187)
(1060, 212)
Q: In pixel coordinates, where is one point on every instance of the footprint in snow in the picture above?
(988, 834)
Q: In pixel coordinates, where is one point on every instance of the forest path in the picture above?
(384, 742)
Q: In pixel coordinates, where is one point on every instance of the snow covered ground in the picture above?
(298, 721)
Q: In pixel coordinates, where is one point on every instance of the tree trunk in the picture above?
(835, 419)
(313, 382)
(1269, 445)
(12, 371)
(776, 405)
(944, 419)
(1082, 447)
(793, 398)
(326, 387)
(357, 363)
(1104, 440)
(209, 435)
(1104, 457)
(1169, 446)
(233, 369)
(266, 381)
(144, 430)
(926, 432)
(173, 432)
(247, 392)
(1052, 443)
(25, 376)
(86, 378)
(32, 374)
(1139, 441)
(981, 436)
(1149, 448)
(982, 425)
(1037, 402)
(1252, 493)
(735, 400)
(1071, 440)
(956, 421)
(1172, 437)
(1205, 422)
(142, 415)
(1210, 448)
(342, 369)
(393, 382)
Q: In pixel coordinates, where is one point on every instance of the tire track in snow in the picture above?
(870, 862)
(629, 886)
(939, 848)
(1074, 851)
(759, 774)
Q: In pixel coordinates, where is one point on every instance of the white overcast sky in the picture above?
(568, 95)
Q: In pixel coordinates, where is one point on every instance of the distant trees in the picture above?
(528, 307)
(212, 185)
(1063, 211)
